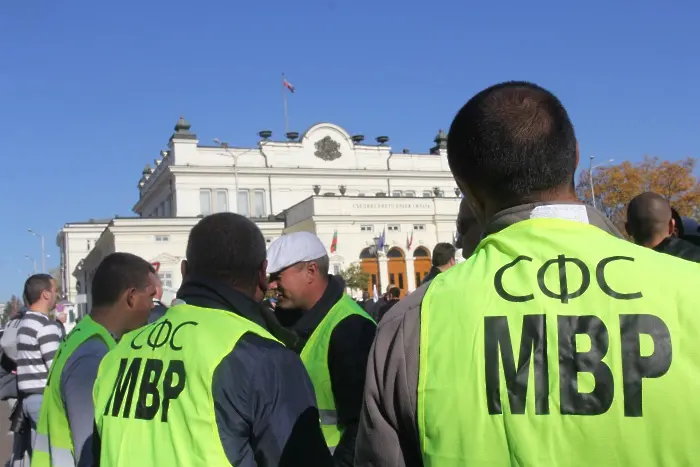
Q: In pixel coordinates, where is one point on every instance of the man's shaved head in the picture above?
(649, 219)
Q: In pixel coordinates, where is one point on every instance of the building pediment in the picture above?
(165, 258)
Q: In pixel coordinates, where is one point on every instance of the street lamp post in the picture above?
(591, 168)
(375, 249)
(224, 146)
(43, 251)
(33, 261)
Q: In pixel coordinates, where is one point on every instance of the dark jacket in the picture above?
(385, 307)
(349, 348)
(157, 312)
(264, 401)
(434, 271)
(680, 248)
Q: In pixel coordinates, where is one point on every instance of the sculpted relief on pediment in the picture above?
(327, 149)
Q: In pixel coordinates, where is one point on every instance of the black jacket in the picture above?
(157, 312)
(264, 401)
(434, 271)
(349, 348)
(680, 248)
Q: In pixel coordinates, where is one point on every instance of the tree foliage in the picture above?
(355, 277)
(11, 309)
(615, 186)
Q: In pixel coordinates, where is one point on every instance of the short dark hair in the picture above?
(117, 273)
(227, 247)
(443, 253)
(648, 215)
(34, 286)
(511, 141)
(395, 292)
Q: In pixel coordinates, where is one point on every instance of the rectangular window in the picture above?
(401, 280)
(259, 203)
(243, 203)
(410, 194)
(168, 212)
(391, 279)
(393, 228)
(417, 279)
(374, 280)
(162, 238)
(427, 193)
(418, 226)
(366, 228)
(221, 201)
(396, 193)
(88, 245)
(336, 269)
(166, 278)
(205, 202)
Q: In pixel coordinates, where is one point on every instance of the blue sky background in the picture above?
(90, 91)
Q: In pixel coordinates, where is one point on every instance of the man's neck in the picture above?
(38, 309)
(654, 242)
(444, 268)
(108, 319)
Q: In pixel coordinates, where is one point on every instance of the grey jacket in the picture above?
(388, 434)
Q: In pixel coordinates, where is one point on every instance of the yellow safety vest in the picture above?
(557, 344)
(153, 396)
(315, 358)
(54, 443)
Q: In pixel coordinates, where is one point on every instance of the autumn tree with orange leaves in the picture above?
(616, 185)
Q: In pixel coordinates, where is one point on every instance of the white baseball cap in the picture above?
(294, 248)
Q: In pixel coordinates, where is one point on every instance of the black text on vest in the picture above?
(152, 395)
(566, 291)
(533, 348)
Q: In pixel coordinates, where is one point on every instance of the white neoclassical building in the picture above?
(325, 181)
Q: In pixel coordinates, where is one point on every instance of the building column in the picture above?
(383, 274)
(410, 275)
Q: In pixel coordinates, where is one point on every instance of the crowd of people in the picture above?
(557, 342)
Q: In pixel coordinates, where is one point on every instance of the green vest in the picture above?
(557, 344)
(54, 443)
(153, 396)
(315, 358)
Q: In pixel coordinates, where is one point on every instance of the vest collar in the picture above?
(553, 210)
(209, 293)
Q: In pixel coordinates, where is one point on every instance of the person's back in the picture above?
(582, 347)
(206, 384)
(555, 343)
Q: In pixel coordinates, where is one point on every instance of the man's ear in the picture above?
(671, 226)
(262, 277)
(183, 268)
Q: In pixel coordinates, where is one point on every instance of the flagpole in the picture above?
(284, 99)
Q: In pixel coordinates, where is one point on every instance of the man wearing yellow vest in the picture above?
(555, 343)
(122, 291)
(334, 334)
(207, 384)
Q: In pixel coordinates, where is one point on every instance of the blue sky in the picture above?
(90, 91)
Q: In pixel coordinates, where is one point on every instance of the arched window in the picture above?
(421, 252)
(395, 253)
(366, 253)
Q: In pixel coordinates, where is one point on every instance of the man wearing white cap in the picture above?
(334, 335)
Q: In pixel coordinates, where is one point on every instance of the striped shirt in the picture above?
(38, 338)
